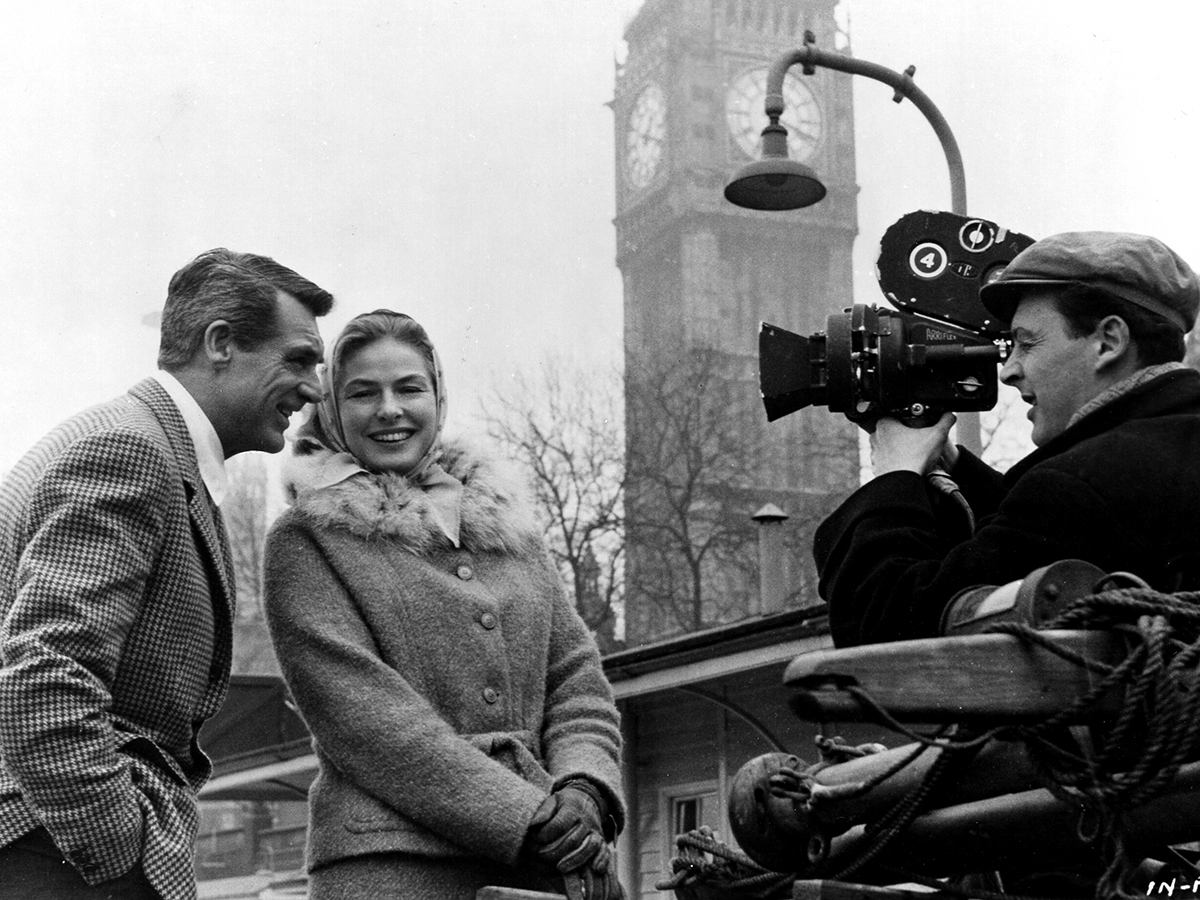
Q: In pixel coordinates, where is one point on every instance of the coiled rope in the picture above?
(1155, 732)
(1159, 719)
(707, 868)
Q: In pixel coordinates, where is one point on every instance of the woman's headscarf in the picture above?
(324, 422)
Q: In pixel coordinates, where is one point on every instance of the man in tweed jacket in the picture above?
(116, 590)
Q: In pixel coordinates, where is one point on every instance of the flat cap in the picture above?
(1134, 267)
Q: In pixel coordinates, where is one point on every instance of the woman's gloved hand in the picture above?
(567, 830)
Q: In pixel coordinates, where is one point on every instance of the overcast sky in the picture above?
(454, 160)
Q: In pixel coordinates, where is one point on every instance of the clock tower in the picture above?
(700, 274)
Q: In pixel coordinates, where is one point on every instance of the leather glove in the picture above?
(567, 830)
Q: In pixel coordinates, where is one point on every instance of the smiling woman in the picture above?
(465, 730)
(387, 404)
(389, 411)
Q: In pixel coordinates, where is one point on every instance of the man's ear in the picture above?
(1113, 343)
(218, 343)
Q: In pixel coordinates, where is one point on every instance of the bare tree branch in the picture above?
(695, 467)
(566, 425)
(653, 533)
(244, 511)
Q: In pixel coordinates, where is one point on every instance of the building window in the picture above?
(689, 807)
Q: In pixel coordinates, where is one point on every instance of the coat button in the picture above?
(488, 621)
(491, 695)
(465, 573)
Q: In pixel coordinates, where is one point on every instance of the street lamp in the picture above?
(775, 182)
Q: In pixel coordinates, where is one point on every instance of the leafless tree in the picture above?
(698, 455)
(245, 514)
(650, 523)
(565, 423)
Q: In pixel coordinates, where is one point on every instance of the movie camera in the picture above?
(936, 352)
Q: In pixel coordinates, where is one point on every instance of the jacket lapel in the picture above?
(205, 516)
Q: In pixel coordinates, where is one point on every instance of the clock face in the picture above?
(746, 118)
(645, 137)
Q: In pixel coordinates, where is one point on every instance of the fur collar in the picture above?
(496, 514)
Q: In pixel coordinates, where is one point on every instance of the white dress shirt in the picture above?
(210, 455)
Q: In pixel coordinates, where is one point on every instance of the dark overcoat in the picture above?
(1119, 488)
(116, 604)
(447, 688)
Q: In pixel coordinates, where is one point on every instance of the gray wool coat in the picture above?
(447, 689)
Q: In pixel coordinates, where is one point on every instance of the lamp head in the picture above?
(774, 182)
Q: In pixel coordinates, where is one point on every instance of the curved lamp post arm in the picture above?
(810, 57)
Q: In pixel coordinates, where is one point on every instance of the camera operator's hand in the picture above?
(949, 456)
(896, 447)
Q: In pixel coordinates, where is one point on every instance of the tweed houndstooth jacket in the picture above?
(116, 612)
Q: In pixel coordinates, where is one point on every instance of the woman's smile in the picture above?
(388, 405)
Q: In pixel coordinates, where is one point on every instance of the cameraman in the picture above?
(1098, 321)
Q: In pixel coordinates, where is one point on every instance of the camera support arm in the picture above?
(810, 58)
